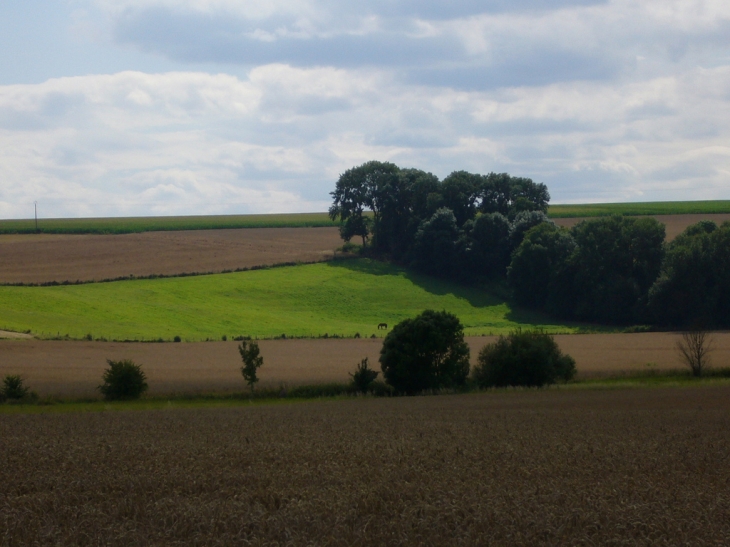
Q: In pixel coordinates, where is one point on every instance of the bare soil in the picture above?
(531, 468)
(675, 224)
(42, 258)
(74, 368)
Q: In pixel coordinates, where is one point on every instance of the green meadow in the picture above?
(341, 297)
(635, 209)
(125, 225)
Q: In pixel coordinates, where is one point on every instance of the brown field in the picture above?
(39, 258)
(586, 467)
(74, 369)
(675, 224)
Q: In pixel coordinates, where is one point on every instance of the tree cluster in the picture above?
(462, 227)
(472, 227)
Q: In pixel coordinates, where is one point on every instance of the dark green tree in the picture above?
(616, 262)
(487, 249)
(252, 361)
(13, 388)
(364, 376)
(537, 271)
(426, 352)
(460, 193)
(694, 284)
(523, 358)
(123, 380)
(435, 245)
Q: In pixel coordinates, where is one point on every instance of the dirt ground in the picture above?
(675, 224)
(38, 258)
(75, 368)
(612, 467)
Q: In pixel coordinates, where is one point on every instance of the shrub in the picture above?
(363, 377)
(123, 380)
(252, 360)
(426, 352)
(13, 388)
(527, 358)
(177, 339)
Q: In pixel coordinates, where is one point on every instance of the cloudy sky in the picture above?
(157, 107)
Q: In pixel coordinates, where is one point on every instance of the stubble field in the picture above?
(74, 369)
(606, 467)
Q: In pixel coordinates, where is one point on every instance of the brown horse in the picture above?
(383, 326)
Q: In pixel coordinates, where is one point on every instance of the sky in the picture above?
(186, 107)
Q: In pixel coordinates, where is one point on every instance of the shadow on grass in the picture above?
(476, 297)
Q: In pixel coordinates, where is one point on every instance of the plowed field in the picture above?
(39, 258)
(75, 368)
(611, 467)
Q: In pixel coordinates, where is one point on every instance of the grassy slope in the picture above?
(341, 297)
(647, 208)
(298, 220)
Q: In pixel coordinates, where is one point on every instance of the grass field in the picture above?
(126, 225)
(532, 467)
(342, 297)
(636, 209)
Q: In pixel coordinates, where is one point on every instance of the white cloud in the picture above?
(174, 143)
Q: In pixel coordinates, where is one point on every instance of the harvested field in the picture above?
(75, 368)
(675, 224)
(41, 258)
(612, 467)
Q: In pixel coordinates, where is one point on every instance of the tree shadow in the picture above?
(478, 298)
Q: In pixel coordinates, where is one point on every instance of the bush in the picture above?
(523, 359)
(252, 361)
(363, 377)
(426, 352)
(123, 380)
(13, 388)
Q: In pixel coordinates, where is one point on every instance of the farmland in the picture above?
(43, 258)
(641, 209)
(72, 369)
(341, 297)
(643, 466)
(127, 225)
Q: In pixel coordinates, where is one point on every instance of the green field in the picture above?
(126, 225)
(634, 209)
(341, 298)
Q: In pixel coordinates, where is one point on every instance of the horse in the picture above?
(383, 326)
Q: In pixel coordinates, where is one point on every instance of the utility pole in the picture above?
(35, 207)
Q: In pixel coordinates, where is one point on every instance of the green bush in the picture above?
(123, 380)
(13, 388)
(363, 377)
(427, 352)
(527, 358)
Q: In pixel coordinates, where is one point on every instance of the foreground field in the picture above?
(341, 297)
(42, 258)
(618, 467)
(74, 369)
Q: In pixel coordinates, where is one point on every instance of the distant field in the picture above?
(127, 225)
(636, 209)
(342, 297)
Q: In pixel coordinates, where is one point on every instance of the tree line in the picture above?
(472, 228)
